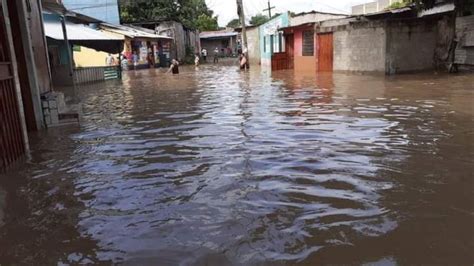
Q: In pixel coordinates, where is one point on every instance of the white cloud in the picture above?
(227, 9)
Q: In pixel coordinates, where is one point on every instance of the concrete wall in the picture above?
(410, 46)
(372, 7)
(312, 17)
(90, 58)
(253, 40)
(360, 48)
(465, 33)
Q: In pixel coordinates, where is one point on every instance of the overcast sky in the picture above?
(227, 9)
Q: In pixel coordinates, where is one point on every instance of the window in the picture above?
(308, 43)
(279, 42)
(264, 44)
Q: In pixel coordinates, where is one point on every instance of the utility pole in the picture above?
(269, 9)
(240, 11)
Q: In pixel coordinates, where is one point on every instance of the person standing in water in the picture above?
(244, 64)
(174, 68)
(135, 60)
(196, 60)
(109, 61)
(216, 55)
(204, 54)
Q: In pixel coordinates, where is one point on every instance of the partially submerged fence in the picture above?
(94, 74)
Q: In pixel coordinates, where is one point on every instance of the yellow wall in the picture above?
(90, 58)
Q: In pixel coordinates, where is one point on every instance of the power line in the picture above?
(269, 9)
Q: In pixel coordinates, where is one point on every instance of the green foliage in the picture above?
(463, 7)
(258, 20)
(235, 23)
(399, 5)
(206, 23)
(187, 12)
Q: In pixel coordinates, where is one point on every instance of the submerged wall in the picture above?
(464, 55)
(360, 47)
(410, 46)
(303, 63)
(253, 40)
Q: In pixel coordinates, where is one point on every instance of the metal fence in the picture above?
(95, 74)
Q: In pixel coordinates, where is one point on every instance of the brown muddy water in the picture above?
(219, 167)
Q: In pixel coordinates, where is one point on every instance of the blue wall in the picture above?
(105, 10)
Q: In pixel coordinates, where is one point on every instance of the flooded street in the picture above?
(220, 167)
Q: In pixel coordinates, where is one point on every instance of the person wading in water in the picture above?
(244, 64)
(174, 68)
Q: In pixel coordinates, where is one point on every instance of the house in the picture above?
(393, 41)
(142, 42)
(24, 77)
(253, 43)
(225, 40)
(186, 41)
(272, 40)
(301, 42)
(63, 35)
(390, 42)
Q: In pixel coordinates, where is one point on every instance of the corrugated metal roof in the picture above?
(217, 34)
(131, 32)
(75, 32)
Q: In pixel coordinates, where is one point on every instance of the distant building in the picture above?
(104, 10)
(186, 41)
(225, 41)
(253, 44)
(391, 42)
(373, 7)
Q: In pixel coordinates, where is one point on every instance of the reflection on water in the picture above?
(215, 166)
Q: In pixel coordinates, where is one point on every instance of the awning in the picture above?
(217, 34)
(82, 35)
(131, 31)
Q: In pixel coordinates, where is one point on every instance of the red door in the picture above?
(325, 52)
(12, 145)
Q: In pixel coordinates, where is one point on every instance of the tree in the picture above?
(206, 23)
(235, 23)
(463, 7)
(258, 20)
(188, 12)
